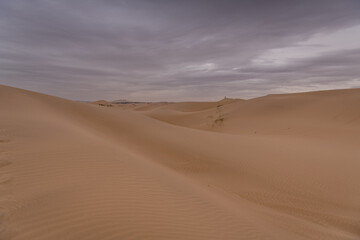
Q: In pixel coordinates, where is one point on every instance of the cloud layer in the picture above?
(177, 50)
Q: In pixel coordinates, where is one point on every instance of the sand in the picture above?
(275, 167)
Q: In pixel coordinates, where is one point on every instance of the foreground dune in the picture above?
(277, 167)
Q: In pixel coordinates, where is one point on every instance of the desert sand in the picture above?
(275, 167)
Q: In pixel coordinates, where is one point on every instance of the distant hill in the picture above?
(102, 103)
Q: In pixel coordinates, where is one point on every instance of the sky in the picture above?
(188, 50)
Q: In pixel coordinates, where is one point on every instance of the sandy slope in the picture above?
(314, 114)
(79, 171)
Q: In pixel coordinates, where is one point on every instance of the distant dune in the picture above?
(274, 167)
(102, 103)
(302, 114)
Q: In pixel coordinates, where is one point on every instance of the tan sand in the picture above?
(276, 167)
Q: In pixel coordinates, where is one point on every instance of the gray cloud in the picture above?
(169, 50)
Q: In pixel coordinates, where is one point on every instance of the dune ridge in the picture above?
(277, 114)
(81, 171)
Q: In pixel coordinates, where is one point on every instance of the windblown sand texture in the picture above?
(275, 167)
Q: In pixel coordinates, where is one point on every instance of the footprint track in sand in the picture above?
(219, 121)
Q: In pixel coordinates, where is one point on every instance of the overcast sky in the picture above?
(156, 50)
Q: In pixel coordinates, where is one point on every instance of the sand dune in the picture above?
(276, 167)
(315, 114)
(102, 103)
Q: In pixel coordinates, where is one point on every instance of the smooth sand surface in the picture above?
(276, 167)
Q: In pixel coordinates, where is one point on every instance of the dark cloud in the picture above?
(168, 50)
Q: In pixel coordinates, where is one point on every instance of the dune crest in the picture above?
(316, 114)
(276, 167)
